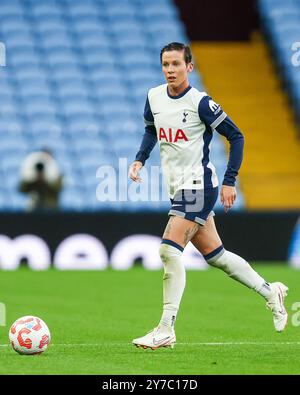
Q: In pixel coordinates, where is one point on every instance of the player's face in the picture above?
(175, 69)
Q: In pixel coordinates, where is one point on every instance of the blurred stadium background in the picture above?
(74, 77)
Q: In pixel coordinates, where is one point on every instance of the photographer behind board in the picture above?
(42, 180)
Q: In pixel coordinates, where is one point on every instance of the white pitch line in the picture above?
(189, 344)
(180, 344)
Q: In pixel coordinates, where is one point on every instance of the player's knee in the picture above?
(215, 258)
(164, 253)
(169, 253)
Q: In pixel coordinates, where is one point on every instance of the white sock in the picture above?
(238, 269)
(173, 282)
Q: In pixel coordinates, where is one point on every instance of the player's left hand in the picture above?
(228, 196)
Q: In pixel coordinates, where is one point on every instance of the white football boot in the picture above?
(276, 304)
(156, 338)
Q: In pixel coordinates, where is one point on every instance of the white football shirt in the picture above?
(184, 125)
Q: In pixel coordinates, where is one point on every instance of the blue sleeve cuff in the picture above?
(148, 143)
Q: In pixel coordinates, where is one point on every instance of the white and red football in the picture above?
(29, 335)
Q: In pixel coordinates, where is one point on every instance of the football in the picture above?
(29, 335)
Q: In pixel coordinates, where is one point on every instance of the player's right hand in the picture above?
(228, 196)
(134, 169)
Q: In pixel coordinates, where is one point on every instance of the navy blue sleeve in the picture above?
(232, 133)
(148, 143)
(149, 138)
(213, 116)
(210, 112)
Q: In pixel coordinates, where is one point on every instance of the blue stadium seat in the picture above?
(84, 125)
(38, 106)
(13, 148)
(45, 124)
(7, 93)
(50, 140)
(6, 84)
(15, 27)
(106, 76)
(45, 26)
(125, 125)
(153, 11)
(94, 19)
(34, 87)
(77, 108)
(69, 73)
(116, 109)
(46, 11)
(67, 161)
(12, 23)
(80, 93)
(69, 83)
(123, 28)
(142, 73)
(34, 74)
(89, 41)
(115, 93)
(9, 106)
(99, 59)
(131, 41)
(10, 9)
(120, 12)
(88, 26)
(25, 60)
(93, 161)
(137, 57)
(15, 43)
(60, 58)
(86, 10)
(90, 145)
(71, 199)
(55, 44)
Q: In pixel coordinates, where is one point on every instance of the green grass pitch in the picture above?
(222, 327)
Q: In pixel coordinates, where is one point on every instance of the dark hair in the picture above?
(178, 47)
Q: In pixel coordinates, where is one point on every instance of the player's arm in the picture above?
(213, 115)
(148, 143)
(236, 140)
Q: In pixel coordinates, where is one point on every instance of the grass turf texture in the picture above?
(93, 317)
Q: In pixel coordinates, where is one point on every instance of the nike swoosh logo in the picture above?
(176, 205)
(155, 113)
(158, 342)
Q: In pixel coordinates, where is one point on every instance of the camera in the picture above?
(39, 166)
